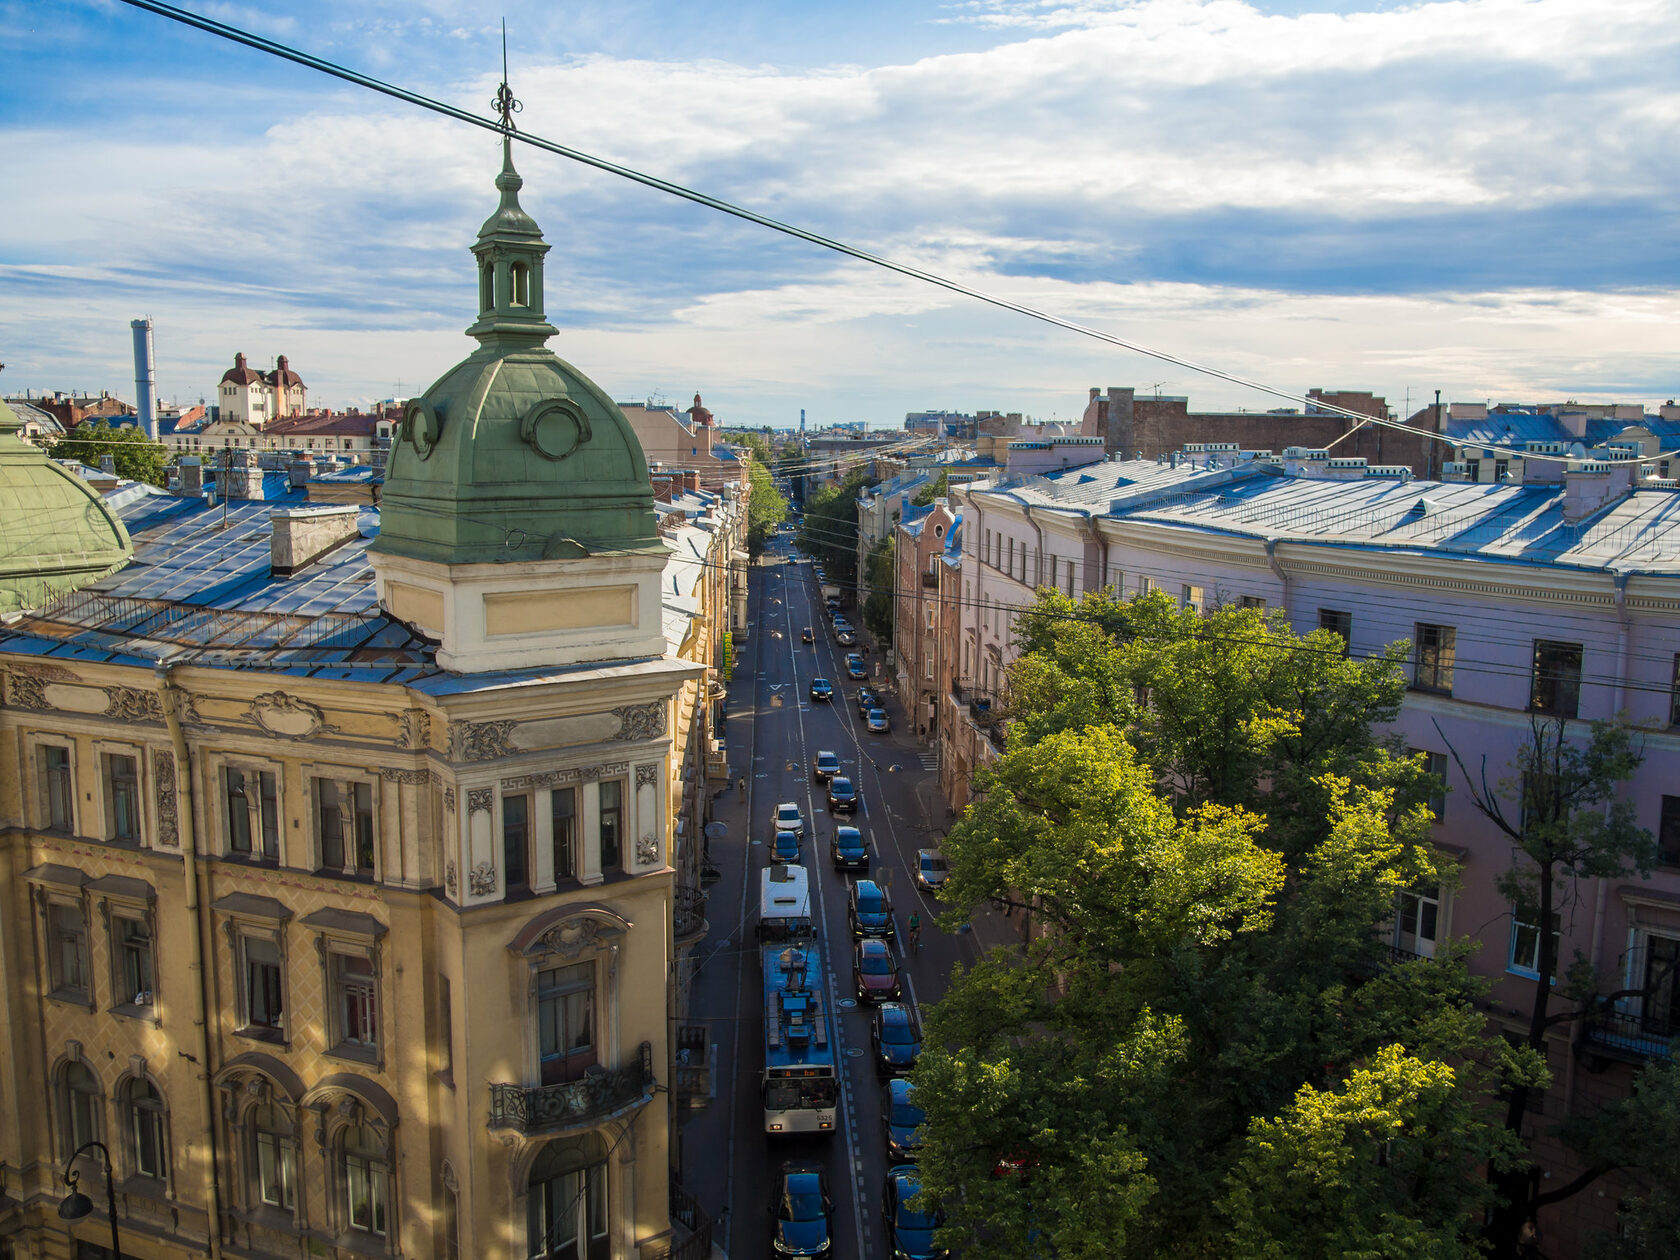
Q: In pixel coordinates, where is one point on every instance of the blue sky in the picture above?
(1477, 196)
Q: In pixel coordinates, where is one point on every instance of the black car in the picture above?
(896, 1035)
(867, 700)
(901, 1120)
(842, 796)
(822, 689)
(869, 911)
(848, 850)
(875, 972)
(909, 1232)
(805, 636)
(803, 1211)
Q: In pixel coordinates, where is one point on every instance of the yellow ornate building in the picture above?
(348, 858)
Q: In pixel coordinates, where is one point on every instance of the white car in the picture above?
(788, 819)
(931, 870)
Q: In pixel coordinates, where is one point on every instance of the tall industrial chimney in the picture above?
(145, 373)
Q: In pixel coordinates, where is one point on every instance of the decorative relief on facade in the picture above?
(647, 776)
(570, 938)
(559, 778)
(641, 721)
(449, 877)
(415, 778)
(479, 800)
(449, 800)
(25, 692)
(416, 728)
(287, 716)
(481, 880)
(647, 849)
(187, 703)
(163, 773)
(130, 704)
(480, 741)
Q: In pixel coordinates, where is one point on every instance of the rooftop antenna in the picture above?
(1157, 387)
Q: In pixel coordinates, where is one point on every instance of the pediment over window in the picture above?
(569, 930)
(351, 1092)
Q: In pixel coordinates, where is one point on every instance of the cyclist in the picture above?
(915, 932)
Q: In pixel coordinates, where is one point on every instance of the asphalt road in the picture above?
(774, 732)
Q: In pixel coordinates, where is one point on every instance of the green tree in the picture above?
(766, 508)
(135, 455)
(933, 490)
(1568, 819)
(1198, 958)
(880, 572)
(828, 530)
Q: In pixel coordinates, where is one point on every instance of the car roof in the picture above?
(904, 1172)
(899, 1089)
(893, 1012)
(827, 752)
(843, 778)
(848, 831)
(864, 885)
(793, 805)
(872, 945)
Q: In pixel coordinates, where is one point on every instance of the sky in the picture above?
(1480, 197)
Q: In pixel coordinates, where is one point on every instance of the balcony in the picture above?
(689, 914)
(930, 579)
(533, 1109)
(1632, 1038)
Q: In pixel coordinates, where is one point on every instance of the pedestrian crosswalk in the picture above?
(929, 759)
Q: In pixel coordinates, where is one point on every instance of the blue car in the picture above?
(909, 1231)
(785, 847)
(896, 1037)
(803, 1212)
(901, 1120)
(822, 689)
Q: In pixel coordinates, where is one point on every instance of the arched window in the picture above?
(567, 1204)
(78, 1105)
(486, 286)
(365, 1175)
(273, 1157)
(147, 1121)
(521, 277)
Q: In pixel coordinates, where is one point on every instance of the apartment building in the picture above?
(347, 863)
(1543, 600)
(918, 554)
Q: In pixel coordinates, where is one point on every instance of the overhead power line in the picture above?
(274, 48)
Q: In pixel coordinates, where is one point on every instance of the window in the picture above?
(132, 939)
(451, 1223)
(273, 1157)
(364, 1180)
(521, 277)
(1473, 469)
(563, 811)
(1525, 945)
(446, 1026)
(57, 790)
(1668, 832)
(265, 1003)
(1435, 763)
(1340, 622)
(1656, 969)
(612, 825)
(1432, 657)
(1145, 585)
(344, 824)
(1252, 601)
(567, 1201)
(1557, 678)
(78, 1100)
(516, 842)
(1674, 694)
(355, 1001)
(67, 951)
(1193, 597)
(253, 812)
(566, 1021)
(1417, 921)
(148, 1140)
(122, 797)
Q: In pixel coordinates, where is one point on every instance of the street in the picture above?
(774, 732)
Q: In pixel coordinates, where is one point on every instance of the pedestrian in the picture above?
(741, 783)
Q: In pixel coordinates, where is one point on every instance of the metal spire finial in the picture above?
(505, 104)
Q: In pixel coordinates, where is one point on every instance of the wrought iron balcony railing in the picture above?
(571, 1104)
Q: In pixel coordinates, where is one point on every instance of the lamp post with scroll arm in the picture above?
(76, 1205)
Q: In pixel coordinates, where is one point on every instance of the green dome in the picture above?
(58, 533)
(513, 454)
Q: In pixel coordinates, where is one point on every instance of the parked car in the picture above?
(845, 638)
(878, 722)
(931, 870)
(822, 689)
(788, 818)
(855, 667)
(803, 1211)
(805, 636)
(826, 766)
(842, 796)
(896, 1035)
(874, 971)
(869, 910)
(901, 1120)
(909, 1231)
(867, 700)
(848, 850)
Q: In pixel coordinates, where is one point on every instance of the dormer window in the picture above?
(520, 275)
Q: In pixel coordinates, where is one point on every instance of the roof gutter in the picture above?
(188, 824)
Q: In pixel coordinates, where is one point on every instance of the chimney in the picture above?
(691, 480)
(1593, 485)
(302, 535)
(191, 476)
(241, 477)
(1118, 438)
(108, 464)
(145, 377)
(298, 473)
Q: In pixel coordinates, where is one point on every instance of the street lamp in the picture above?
(77, 1205)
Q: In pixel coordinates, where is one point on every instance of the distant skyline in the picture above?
(1475, 196)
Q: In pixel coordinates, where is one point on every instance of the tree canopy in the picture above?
(880, 573)
(766, 508)
(828, 530)
(134, 455)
